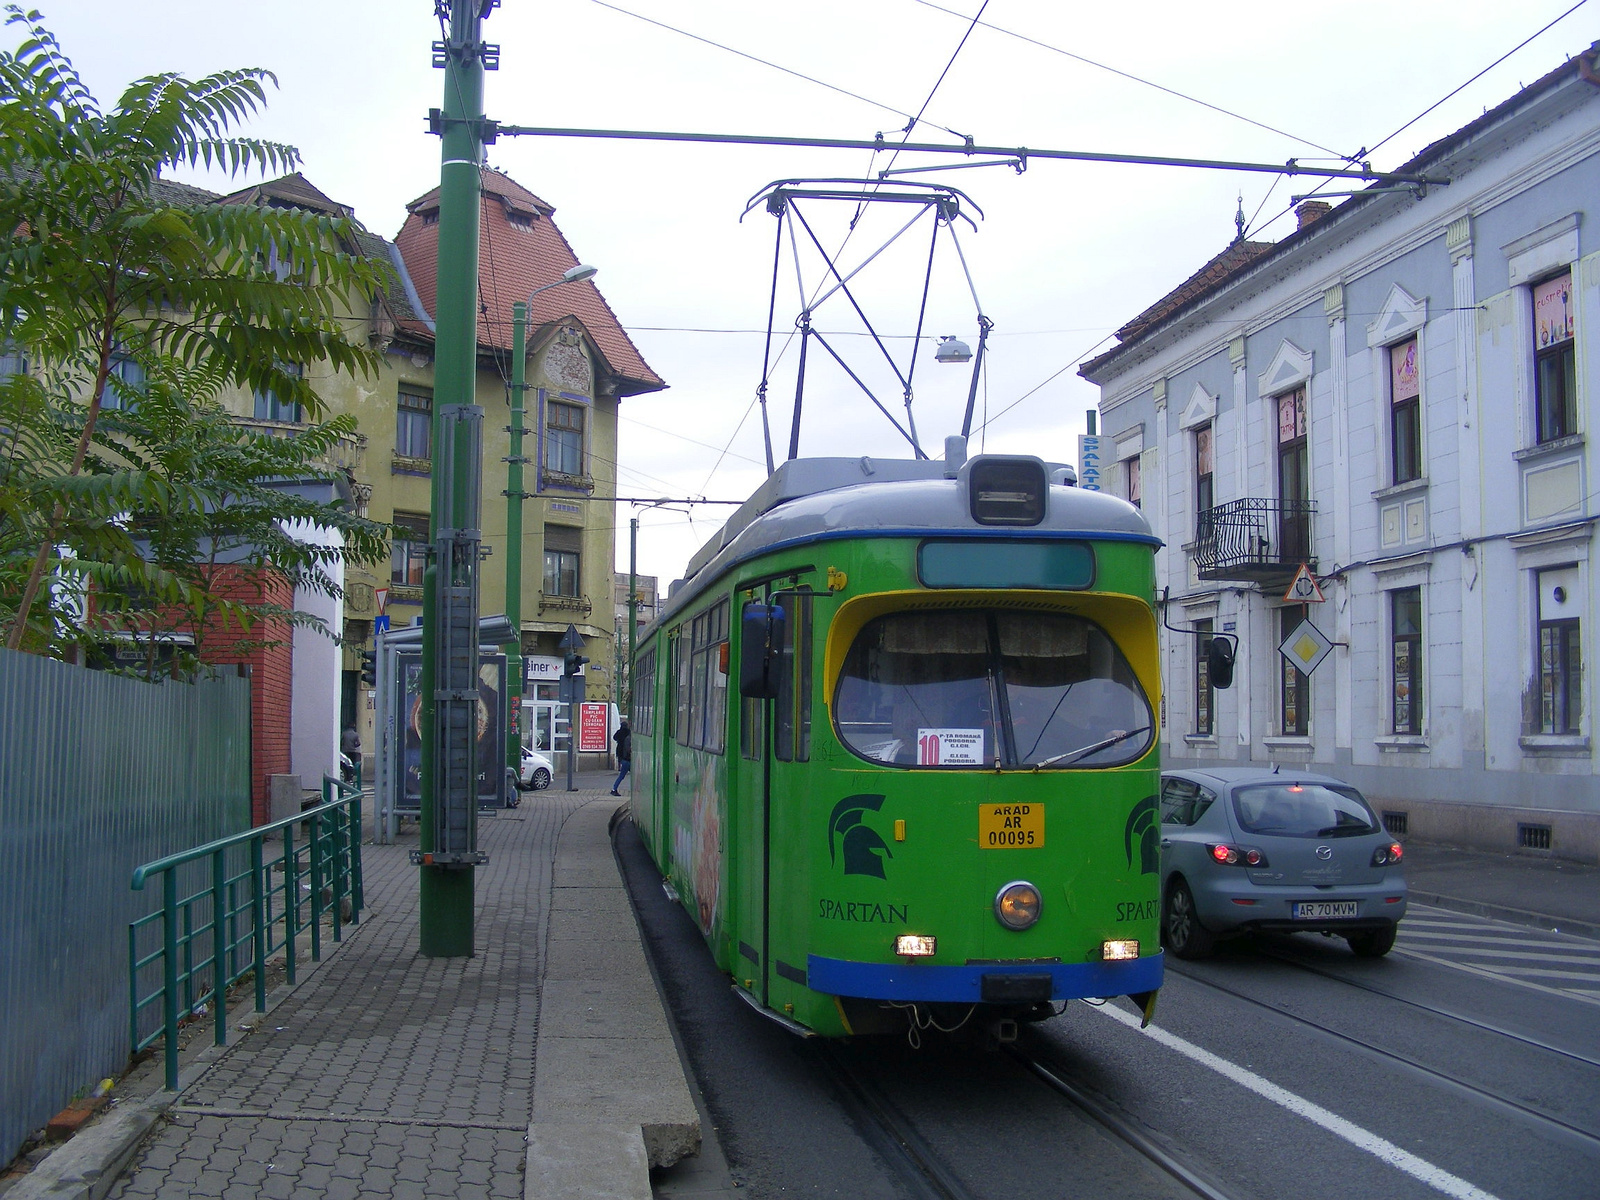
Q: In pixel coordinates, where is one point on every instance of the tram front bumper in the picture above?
(979, 983)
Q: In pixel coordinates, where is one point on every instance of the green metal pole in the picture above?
(514, 497)
(446, 893)
(633, 603)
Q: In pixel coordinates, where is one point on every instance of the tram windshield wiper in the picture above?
(1072, 756)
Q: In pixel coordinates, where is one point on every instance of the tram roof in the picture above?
(824, 499)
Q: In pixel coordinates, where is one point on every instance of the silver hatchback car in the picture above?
(1247, 849)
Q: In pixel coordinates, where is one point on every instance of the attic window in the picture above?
(430, 216)
(520, 218)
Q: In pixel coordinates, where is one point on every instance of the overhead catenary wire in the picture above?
(1448, 96)
(1139, 79)
(768, 63)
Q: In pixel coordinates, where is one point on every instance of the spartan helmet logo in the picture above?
(864, 850)
(1143, 825)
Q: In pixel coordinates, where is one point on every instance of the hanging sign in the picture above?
(1303, 588)
(1089, 453)
(1306, 647)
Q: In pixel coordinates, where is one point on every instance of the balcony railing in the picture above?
(347, 454)
(1256, 539)
(551, 602)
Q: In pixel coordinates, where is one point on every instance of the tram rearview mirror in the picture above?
(760, 647)
(1219, 662)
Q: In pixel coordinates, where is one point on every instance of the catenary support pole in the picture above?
(448, 817)
(633, 604)
(514, 498)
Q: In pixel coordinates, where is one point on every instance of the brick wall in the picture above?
(271, 673)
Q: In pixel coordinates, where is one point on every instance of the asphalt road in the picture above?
(1465, 1064)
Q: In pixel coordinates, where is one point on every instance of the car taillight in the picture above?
(1236, 857)
(1392, 853)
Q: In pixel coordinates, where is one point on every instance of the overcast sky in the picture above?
(1064, 253)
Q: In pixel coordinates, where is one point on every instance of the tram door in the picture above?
(772, 786)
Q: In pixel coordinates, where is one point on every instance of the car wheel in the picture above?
(1181, 931)
(541, 779)
(1372, 943)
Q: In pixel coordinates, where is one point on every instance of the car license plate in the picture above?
(1318, 910)
(1010, 826)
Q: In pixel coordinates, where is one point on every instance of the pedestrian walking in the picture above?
(623, 737)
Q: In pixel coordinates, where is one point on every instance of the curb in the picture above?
(610, 1098)
(1501, 912)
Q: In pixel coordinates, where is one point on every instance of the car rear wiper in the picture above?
(1073, 756)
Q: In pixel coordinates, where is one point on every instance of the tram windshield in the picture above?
(973, 688)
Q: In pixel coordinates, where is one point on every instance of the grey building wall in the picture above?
(1492, 509)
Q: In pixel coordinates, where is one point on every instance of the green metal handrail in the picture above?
(231, 921)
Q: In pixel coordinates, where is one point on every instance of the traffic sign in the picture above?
(571, 639)
(381, 624)
(1306, 646)
(1303, 587)
(382, 597)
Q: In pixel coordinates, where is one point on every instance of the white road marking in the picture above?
(1497, 976)
(1496, 939)
(1403, 1160)
(1589, 960)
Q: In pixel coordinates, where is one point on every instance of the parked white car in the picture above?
(536, 771)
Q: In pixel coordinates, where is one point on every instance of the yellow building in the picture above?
(580, 365)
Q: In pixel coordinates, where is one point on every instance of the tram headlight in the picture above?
(916, 945)
(1017, 905)
(1119, 949)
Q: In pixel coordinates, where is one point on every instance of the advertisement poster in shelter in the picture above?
(490, 732)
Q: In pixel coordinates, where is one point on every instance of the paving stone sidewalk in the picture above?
(385, 1074)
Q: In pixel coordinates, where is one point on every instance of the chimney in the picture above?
(1311, 210)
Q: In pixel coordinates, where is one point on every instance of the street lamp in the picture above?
(952, 349)
(514, 498)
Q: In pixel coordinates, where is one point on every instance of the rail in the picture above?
(239, 913)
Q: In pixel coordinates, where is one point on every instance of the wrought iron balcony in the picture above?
(1257, 539)
(347, 454)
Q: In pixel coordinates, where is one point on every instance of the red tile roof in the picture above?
(513, 260)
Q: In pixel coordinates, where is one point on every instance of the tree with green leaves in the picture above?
(138, 305)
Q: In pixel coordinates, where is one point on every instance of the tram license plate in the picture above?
(1320, 910)
(1010, 826)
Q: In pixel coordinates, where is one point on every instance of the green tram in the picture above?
(895, 745)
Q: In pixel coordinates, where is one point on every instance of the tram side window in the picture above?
(792, 724)
(680, 679)
(644, 694)
(703, 681)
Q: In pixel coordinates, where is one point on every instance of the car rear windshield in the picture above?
(1306, 810)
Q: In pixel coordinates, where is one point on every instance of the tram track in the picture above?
(890, 1132)
(895, 1135)
(1115, 1123)
(1435, 1010)
(1534, 1117)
